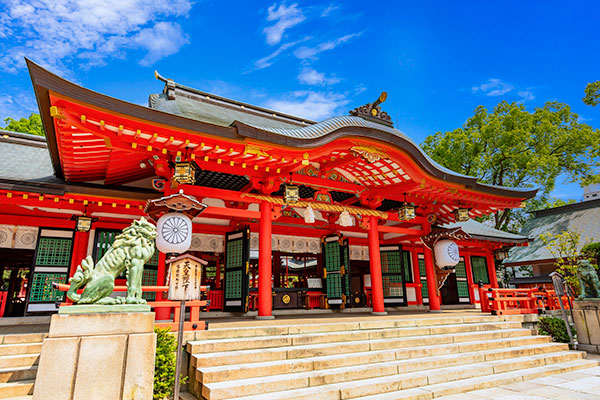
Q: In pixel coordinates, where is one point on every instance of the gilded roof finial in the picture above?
(372, 111)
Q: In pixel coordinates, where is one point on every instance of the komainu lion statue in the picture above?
(130, 251)
(588, 280)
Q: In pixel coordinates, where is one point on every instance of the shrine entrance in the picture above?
(15, 274)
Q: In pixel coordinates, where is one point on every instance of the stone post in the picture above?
(586, 316)
(97, 356)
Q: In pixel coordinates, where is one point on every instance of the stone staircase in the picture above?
(19, 357)
(390, 358)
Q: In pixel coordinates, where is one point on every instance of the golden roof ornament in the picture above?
(372, 111)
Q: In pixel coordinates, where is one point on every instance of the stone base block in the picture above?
(586, 315)
(97, 356)
(103, 308)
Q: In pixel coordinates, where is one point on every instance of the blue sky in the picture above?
(437, 60)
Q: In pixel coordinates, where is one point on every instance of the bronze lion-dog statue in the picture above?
(129, 252)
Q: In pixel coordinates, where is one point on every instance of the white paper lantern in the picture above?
(446, 253)
(173, 233)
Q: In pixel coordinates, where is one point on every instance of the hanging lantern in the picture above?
(309, 215)
(461, 214)
(174, 233)
(345, 219)
(446, 253)
(501, 254)
(185, 172)
(406, 212)
(84, 224)
(291, 194)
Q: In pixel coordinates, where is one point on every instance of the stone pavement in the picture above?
(581, 385)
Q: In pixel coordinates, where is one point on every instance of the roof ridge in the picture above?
(171, 85)
(26, 139)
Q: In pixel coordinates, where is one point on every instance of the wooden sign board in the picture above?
(185, 278)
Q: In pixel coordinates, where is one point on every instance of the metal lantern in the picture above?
(406, 212)
(291, 194)
(461, 214)
(185, 172)
(501, 254)
(84, 223)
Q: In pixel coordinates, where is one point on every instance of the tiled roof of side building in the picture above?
(25, 157)
(479, 230)
(583, 217)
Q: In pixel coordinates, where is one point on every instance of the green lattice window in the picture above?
(235, 254)
(149, 279)
(480, 272)
(332, 256)
(104, 239)
(334, 286)
(54, 252)
(461, 270)
(463, 289)
(392, 286)
(423, 274)
(42, 290)
(233, 289)
(390, 262)
(406, 259)
(153, 262)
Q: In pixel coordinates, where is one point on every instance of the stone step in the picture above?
(252, 342)
(471, 340)
(14, 389)
(19, 360)
(443, 355)
(22, 338)
(275, 330)
(406, 386)
(17, 374)
(20, 348)
(395, 375)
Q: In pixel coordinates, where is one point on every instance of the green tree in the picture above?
(592, 94)
(565, 247)
(31, 125)
(511, 146)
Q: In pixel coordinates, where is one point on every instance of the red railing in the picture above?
(193, 324)
(520, 301)
(216, 299)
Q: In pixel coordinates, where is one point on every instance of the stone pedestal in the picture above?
(107, 356)
(586, 315)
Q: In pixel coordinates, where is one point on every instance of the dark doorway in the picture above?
(449, 291)
(15, 274)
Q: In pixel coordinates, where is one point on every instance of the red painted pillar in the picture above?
(491, 265)
(80, 245)
(434, 300)
(470, 282)
(417, 274)
(161, 313)
(265, 300)
(375, 266)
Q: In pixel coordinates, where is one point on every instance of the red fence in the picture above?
(520, 301)
(193, 324)
(3, 299)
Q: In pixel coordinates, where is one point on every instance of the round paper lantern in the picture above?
(446, 253)
(173, 233)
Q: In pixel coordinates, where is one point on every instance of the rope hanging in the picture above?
(319, 206)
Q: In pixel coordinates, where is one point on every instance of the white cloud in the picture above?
(305, 52)
(330, 8)
(18, 105)
(268, 60)
(309, 104)
(56, 31)
(493, 87)
(309, 76)
(526, 95)
(286, 17)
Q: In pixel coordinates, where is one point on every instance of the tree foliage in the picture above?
(511, 146)
(31, 125)
(592, 94)
(165, 364)
(565, 247)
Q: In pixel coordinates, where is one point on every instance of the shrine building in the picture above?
(345, 212)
